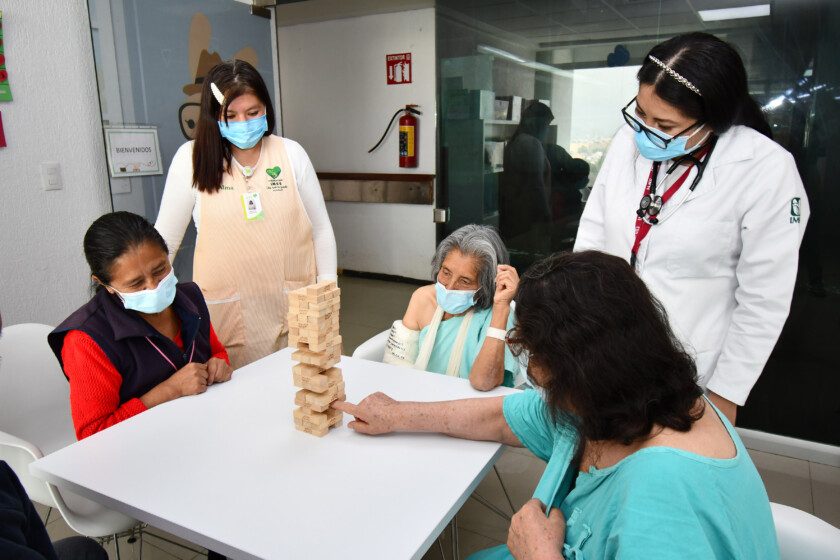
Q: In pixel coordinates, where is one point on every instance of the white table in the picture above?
(227, 470)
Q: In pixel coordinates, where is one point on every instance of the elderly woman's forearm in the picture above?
(476, 419)
(488, 371)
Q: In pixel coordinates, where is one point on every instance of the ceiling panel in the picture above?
(537, 21)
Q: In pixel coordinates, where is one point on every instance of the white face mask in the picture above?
(154, 300)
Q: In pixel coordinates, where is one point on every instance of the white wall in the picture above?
(54, 117)
(336, 104)
(322, 10)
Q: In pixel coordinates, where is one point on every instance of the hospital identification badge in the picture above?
(275, 182)
(252, 206)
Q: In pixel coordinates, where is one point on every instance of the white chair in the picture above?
(373, 349)
(35, 421)
(803, 536)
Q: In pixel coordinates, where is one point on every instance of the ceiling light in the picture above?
(775, 103)
(760, 10)
(540, 66)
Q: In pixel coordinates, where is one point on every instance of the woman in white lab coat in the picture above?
(706, 207)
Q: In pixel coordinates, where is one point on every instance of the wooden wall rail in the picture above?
(397, 188)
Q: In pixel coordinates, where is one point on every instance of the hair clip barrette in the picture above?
(217, 93)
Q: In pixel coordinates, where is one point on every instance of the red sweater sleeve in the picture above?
(94, 386)
(217, 349)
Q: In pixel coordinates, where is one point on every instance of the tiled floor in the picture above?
(369, 307)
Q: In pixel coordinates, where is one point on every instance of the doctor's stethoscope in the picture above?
(651, 204)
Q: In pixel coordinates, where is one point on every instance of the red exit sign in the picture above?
(398, 68)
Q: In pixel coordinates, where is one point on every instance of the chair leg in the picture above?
(509, 501)
(486, 503)
(456, 554)
(117, 546)
(440, 546)
(47, 520)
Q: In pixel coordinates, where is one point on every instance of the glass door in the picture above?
(530, 93)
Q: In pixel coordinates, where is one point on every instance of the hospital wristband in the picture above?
(499, 334)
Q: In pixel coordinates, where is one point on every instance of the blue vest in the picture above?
(126, 338)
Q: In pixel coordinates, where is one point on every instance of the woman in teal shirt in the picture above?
(640, 463)
(457, 325)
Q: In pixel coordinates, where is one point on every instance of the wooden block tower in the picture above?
(313, 330)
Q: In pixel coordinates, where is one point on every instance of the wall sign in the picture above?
(5, 90)
(133, 151)
(398, 68)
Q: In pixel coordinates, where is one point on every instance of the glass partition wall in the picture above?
(530, 96)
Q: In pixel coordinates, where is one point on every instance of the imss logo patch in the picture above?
(794, 210)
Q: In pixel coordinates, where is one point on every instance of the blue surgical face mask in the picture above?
(675, 148)
(151, 301)
(454, 302)
(244, 134)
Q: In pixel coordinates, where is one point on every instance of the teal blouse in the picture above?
(448, 332)
(658, 503)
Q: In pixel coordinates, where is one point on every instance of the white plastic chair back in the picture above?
(373, 349)
(803, 536)
(34, 401)
(35, 421)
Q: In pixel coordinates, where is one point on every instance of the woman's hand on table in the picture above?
(373, 416)
(533, 536)
(218, 371)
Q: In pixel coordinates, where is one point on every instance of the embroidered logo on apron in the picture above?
(275, 182)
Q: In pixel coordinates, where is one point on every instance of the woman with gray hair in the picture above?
(458, 325)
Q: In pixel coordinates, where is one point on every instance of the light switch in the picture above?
(120, 185)
(51, 176)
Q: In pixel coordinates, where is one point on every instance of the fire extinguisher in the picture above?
(408, 135)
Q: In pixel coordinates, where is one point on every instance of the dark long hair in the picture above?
(211, 153)
(612, 364)
(111, 236)
(716, 69)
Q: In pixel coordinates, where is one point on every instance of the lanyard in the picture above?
(165, 357)
(651, 204)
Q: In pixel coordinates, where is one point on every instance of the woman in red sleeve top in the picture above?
(143, 339)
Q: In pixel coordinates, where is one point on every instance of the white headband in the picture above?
(676, 75)
(217, 93)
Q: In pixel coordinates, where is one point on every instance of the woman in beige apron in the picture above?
(262, 224)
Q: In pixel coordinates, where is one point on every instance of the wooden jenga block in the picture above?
(320, 324)
(318, 310)
(335, 417)
(323, 360)
(327, 333)
(313, 379)
(311, 422)
(296, 298)
(320, 402)
(314, 290)
(311, 307)
(331, 295)
(324, 343)
(321, 343)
